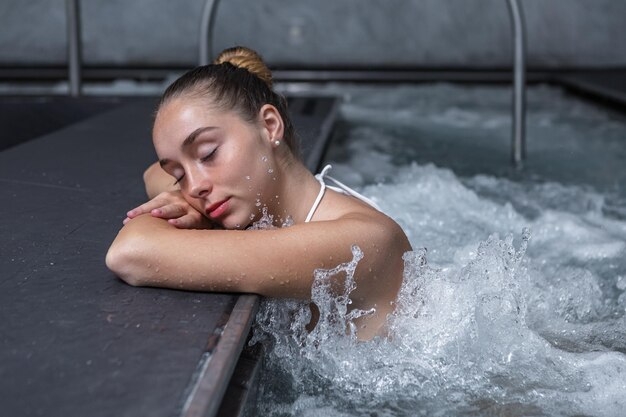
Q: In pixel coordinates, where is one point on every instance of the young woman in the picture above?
(227, 152)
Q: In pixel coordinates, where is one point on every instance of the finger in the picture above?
(145, 208)
(189, 221)
(170, 211)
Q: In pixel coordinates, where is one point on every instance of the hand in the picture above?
(172, 206)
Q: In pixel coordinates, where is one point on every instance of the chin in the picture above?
(231, 223)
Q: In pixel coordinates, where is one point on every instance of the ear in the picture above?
(272, 123)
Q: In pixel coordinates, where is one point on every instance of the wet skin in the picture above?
(224, 167)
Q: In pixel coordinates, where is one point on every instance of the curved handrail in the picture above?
(72, 13)
(206, 31)
(519, 91)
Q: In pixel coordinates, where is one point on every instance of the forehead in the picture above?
(179, 118)
(177, 114)
(181, 112)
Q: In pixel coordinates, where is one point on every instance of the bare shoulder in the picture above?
(363, 218)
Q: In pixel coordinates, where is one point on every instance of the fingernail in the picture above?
(130, 213)
(156, 211)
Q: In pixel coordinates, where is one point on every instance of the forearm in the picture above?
(157, 181)
(148, 251)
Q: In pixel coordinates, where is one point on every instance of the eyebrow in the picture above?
(189, 141)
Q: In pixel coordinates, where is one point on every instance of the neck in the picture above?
(298, 189)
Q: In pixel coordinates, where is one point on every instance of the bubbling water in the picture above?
(513, 303)
(267, 221)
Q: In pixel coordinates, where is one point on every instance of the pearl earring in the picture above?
(276, 142)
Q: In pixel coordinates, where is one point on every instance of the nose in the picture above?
(199, 183)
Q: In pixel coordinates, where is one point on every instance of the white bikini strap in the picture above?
(353, 193)
(341, 187)
(320, 178)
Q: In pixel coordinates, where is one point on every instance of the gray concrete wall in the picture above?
(418, 33)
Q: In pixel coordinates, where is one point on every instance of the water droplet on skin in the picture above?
(248, 177)
(264, 158)
(288, 222)
(229, 279)
(272, 277)
(270, 171)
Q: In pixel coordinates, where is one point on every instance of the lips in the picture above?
(217, 209)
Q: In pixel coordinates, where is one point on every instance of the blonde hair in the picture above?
(243, 57)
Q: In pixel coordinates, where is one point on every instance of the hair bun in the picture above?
(243, 57)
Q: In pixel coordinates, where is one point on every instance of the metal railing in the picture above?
(206, 32)
(72, 12)
(518, 148)
(206, 54)
(518, 140)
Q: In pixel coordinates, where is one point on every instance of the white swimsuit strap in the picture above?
(342, 188)
(320, 178)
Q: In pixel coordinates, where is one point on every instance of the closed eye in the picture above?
(206, 158)
(209, 156)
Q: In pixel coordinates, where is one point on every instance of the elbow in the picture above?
(123, 259)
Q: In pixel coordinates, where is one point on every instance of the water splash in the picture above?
(491, 325)
(484, 325)
(265, 222)
(459, 344)
(283, 325)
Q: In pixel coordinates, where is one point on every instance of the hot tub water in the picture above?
(514, 299)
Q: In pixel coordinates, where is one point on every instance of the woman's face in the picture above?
(225, 166)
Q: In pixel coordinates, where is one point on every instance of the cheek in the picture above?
(265, 175)
(254, 170)
(251, 169)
